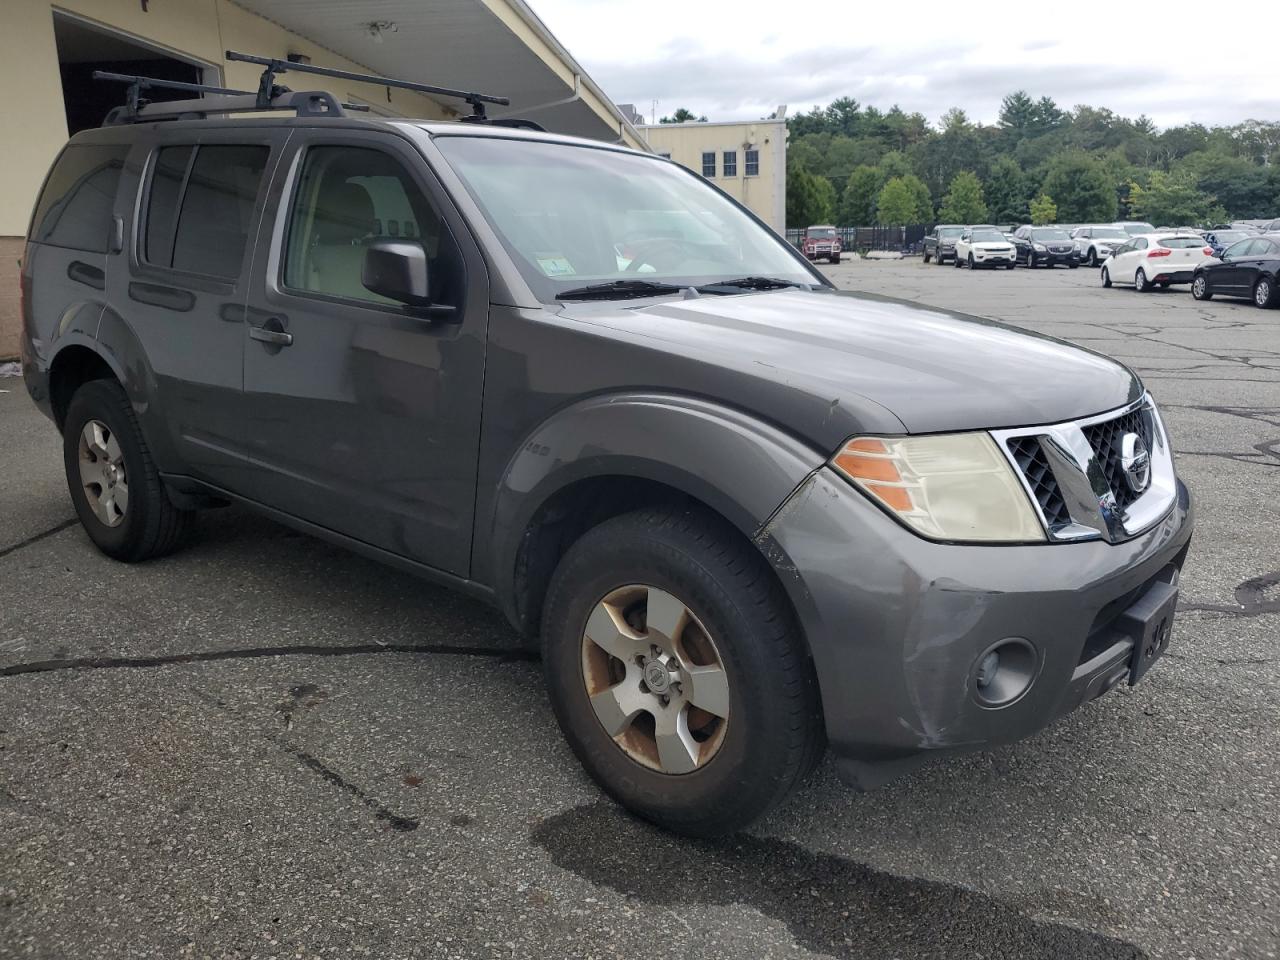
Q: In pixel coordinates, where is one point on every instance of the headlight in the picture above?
(1039, 247)
(947, 486)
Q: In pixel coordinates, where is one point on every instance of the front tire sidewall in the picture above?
(1106, 277)
(754, 766)
(1200, 288)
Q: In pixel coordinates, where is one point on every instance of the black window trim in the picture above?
(44, 185)
(212, 282)
(284, 213)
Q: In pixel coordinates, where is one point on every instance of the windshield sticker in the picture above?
(555, 265)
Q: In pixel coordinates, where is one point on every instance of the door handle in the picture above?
(271, 332)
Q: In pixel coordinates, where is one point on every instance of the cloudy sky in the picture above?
(736, 59)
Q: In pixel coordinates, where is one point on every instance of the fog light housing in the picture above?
(1004, 672)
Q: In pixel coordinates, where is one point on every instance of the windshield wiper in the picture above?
(749, 283)
(619, 289)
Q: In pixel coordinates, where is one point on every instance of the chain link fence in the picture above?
(907, 239)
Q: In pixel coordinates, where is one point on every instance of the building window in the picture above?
(753, 163)
(708, 165)
(731, 163)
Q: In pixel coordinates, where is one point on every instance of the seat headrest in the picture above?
(344, 213)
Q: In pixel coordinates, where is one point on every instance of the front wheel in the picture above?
(677, 672)
(1008, 266)
(926, 256)
(1073, 265)
(1140, 283)
(1264, 293)
(1200, 288)
(114, 484)
(1106, 277)
(1093, 257)
(971, 261)
(1031, 260)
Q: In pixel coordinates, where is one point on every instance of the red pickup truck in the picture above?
(821, 242)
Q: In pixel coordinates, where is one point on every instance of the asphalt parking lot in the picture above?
(265, 747)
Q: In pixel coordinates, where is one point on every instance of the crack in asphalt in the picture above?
(254, 653)
(37, 537)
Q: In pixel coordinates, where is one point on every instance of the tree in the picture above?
(963, 202)
(895, 204)
(858, 202)
(1043, 210)
(1008, 191)
(923, 200)
(810, 198)
(1173, 200)
(1018, 115)
(683, 115)
(1079, 187)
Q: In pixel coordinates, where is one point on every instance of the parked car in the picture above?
(983, 247)
(822, 242)
(1219, 240)
(741, 513)
(1095, 243)
(1045, 247)
(1248, 268)
(1155, 260)
(1135, 227)
(940, 243)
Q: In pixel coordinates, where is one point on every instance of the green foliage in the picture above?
(1172, 199)
(858, 201)
(810, 198)
(1043, 210)
(903, 200)
(683, 115)
(1079, 186)
(963, 202)
(1085, 159)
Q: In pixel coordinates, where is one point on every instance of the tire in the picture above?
(1264, 293)
(926, 256)
(957, 262)
(1140, 281)
(1073, 266)
(1200, 287)
(834, 258)
(1031, 260)
(1009, 266)
(770, 736)
(971, 264)
(104, 454)
(1106, 277)
(1092, 260)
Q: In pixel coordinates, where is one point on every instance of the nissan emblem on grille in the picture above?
(1135, 461)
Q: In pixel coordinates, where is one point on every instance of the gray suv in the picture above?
(744, 515)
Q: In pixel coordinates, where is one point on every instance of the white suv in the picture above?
(984, 247)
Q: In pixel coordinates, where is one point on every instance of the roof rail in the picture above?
(225, 100)
(267, 82)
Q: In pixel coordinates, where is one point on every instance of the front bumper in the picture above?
(896, 623)
(994, 259)
(1053, 259)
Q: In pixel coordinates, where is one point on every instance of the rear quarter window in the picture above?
(74, 209)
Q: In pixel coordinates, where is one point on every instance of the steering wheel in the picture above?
(650, 251)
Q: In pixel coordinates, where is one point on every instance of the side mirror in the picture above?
(397, 270)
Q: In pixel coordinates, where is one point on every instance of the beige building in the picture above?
(48, 52)
(747, 160)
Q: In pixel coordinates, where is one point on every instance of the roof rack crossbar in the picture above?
(272, 67)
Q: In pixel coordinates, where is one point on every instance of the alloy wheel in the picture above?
(102, 473)
(655, 679)
(1198, 287)
(1262, 293)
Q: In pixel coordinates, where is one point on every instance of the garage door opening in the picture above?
(84, 48)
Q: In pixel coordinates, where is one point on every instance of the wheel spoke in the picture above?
(608, 631)
(95, 439)
(102, 506)
(122, 499)
(677, 750)
(665, 616)
(114, 454)
(616, 707)
(708, 689)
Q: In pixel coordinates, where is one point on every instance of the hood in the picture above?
(828, 364)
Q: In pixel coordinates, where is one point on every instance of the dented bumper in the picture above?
(898, 625)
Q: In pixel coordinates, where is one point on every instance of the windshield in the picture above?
(950, 231)
(572, 216)
(988, 236)
(1135, 228)
(824, 233)
(1229, 236)
(1049, 235)
(1109, 233)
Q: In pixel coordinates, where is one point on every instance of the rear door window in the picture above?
(200, 209)
(75, 206)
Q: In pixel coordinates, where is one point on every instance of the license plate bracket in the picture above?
(1149, 623)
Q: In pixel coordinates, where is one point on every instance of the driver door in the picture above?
(363, 416)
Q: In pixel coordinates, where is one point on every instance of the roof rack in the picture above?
(273, 96)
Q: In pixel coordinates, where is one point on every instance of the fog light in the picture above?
(1004, 672)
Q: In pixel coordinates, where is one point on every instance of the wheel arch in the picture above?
(609, 455)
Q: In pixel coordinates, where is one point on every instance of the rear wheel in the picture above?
(1106, 277)
(114, 485)
(1264, 293)
(677, 672)
(1140, 281)
(957, 262)
(1200, 288)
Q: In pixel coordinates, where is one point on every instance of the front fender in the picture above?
(739, 466)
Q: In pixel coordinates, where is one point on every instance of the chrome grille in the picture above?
(1105, 439)
(1031, 460)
